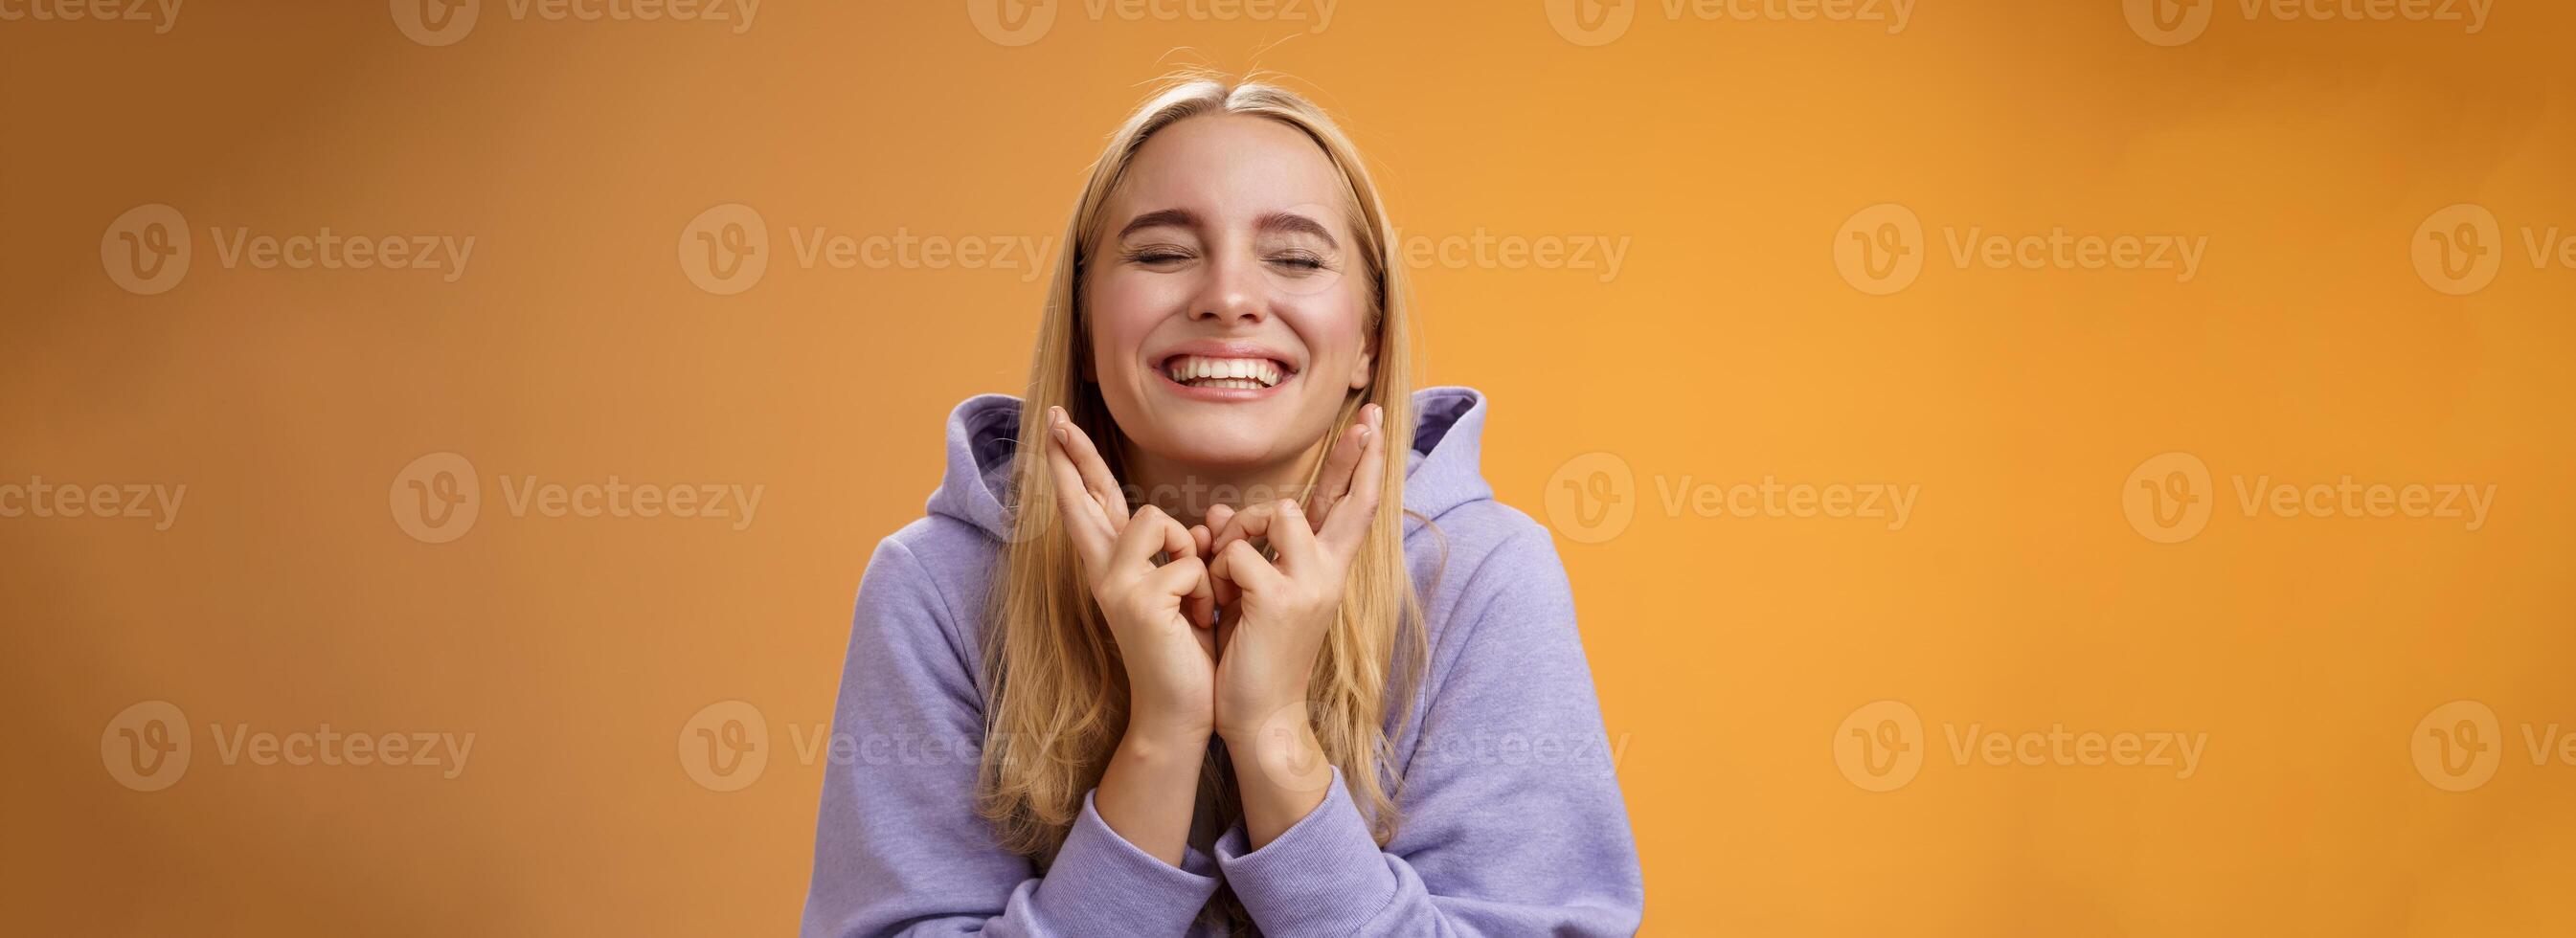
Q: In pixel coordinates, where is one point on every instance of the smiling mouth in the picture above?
(1242, 374)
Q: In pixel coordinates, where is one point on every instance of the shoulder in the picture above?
(1472, 539)
(1500, 615)
(939, 544)
(1485, 558)
(925, 589)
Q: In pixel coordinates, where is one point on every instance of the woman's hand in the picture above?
(1158, 615)
(1278, 612)
(1331, 489)
(1276, 626)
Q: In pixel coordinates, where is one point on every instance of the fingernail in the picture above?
(1289, 505)
(1060, 436)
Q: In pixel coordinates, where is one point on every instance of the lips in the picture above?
(1225, 370)
(1203, 371)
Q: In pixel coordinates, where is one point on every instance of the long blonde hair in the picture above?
(1058, 694)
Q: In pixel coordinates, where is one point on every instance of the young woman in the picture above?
(1316, 682)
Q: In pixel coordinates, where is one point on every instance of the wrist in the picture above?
(1289, 721)
(1164, 740)
(1280, 753)
(1148, 792)
(1281, 775)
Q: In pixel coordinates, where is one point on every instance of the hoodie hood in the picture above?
(1443, 470)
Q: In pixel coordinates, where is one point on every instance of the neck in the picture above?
(1187, 490)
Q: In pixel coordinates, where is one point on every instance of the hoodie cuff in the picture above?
(1101, 884)
(1324, 876)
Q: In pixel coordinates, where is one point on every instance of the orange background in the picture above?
(1727, 348)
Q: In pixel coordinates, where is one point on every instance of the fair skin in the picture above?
(1227, 326)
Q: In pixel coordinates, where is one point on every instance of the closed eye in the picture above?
(1299, 260)
(1157, 255)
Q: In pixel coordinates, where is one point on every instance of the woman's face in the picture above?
(1228, 302)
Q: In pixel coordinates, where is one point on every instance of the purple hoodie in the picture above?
(1512, 823)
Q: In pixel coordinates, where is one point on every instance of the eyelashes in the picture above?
(1303, 261)
(1154, 255)
(1295, 261)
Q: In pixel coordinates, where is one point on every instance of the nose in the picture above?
(1231, 295)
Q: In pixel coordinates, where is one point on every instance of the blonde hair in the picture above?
(1058, 694)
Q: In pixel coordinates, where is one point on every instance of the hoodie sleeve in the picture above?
(898, 847)
(1512, 818)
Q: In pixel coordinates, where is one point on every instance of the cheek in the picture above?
(1122, 308)
(1333, 327)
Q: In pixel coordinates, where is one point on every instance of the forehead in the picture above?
(1228, 168)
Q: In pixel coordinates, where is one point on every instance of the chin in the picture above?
(1221, 429)
(1225, 445)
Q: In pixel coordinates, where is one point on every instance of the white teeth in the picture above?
(1243, 373)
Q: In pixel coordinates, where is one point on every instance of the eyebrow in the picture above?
(1170, 217)
(1293, 222)
(1275, 221)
